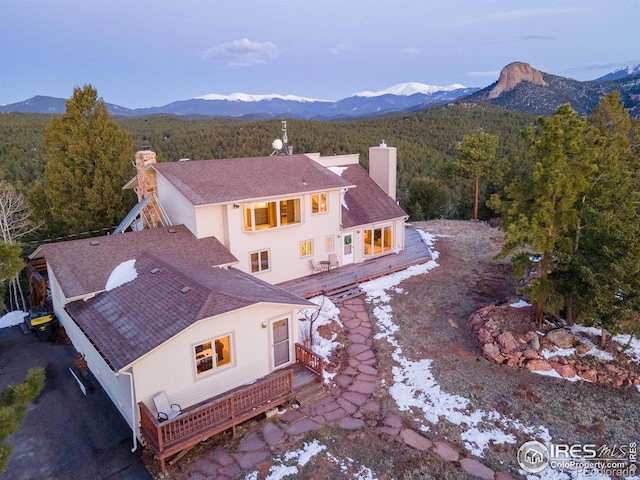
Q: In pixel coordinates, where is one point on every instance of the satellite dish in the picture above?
(277, 144)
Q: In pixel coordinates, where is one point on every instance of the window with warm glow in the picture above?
(319, 202)
(328, 243)
(212, 355)
(377, 240)
(259, 216)
(306, 248)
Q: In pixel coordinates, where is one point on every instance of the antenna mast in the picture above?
(280, 145)
(285, 140)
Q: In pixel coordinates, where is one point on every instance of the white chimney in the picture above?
(383, 162)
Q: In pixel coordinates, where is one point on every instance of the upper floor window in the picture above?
(319, 202)
(258, 216)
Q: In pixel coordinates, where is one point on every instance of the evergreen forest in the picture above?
(428, 184)
(565, 188)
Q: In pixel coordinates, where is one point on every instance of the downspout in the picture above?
(133, 410)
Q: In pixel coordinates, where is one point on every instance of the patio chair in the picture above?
(333, 260)
(315, 266)
(166, 411)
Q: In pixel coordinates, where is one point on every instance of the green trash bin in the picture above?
(43, 326)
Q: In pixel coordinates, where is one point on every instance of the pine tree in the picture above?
(89, 160)
(542, 213)
(601, 277)
(14, 401)
(476, 154)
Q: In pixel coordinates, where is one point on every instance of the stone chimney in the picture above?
(147, 185)
(383, 161)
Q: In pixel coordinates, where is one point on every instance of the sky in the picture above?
(144, 53)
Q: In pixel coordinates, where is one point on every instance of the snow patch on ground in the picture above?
(12, 319)
(415, 388)
(553, 373)
(327, 313)
(287, 465)
(520, 304)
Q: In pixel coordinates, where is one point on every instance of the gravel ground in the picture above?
(433, 316)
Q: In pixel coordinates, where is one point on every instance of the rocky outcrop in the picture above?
(508, 338)
(513, 74)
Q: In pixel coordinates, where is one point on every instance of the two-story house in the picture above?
(190, 309)
(275, 214)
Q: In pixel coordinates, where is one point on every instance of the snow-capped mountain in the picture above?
(411, 88)
(395, 98)
(628, 71)
(244, 97)
(403, 97)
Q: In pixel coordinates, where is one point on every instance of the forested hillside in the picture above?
(425, 140)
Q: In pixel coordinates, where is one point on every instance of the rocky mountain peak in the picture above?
(513, 74)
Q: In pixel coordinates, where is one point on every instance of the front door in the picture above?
(347, 248)
(281, 350)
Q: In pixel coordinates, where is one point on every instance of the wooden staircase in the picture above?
(309, 392)
(344, 292)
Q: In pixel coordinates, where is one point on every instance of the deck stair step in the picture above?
(310, 392)
(344, 292)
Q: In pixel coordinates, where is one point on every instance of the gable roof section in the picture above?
(83, 266)
(206, 182)
(131, 320)
(367, 203)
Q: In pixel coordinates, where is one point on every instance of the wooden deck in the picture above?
(415, 252)
(173, 438)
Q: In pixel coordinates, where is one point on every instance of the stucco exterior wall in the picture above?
(283, 243)
(171, 367)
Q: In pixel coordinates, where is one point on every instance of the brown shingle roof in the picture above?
(129, 321)
(83, 266)
(205, 182)
(367, 203)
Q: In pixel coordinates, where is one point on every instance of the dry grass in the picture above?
(432, 317)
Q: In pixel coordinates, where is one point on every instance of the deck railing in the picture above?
(310, 359)
(198, 423)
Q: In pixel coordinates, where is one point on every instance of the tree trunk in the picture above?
(603, 338)
(539, 314)
(475, 201)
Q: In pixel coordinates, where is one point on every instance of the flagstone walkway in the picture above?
(350, 402)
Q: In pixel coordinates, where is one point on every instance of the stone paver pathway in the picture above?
(350, 403)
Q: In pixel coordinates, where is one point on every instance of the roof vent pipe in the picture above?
(383, 143)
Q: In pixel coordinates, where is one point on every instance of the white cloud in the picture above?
(242, 52)
(409, 51)
(341, 48)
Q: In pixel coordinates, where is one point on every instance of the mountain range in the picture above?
(520, 87)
